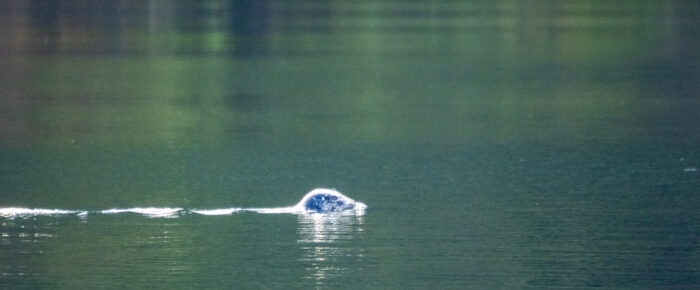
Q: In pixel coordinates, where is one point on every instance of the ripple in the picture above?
(147, 211)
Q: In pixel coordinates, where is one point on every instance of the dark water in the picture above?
(498, 144)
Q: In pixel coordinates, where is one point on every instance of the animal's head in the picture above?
(323, 200)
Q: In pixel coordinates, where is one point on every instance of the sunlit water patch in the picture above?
(323, 241)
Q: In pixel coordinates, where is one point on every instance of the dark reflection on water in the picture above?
(514, 29)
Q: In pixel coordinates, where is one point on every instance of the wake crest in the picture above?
(12, 212)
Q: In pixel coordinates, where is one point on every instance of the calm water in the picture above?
(498, 144)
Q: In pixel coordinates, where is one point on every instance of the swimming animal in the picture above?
(322, 200)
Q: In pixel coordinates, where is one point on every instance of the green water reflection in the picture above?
(368, 72)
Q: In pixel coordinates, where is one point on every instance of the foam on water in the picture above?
(340, 204)
(147, 211)
(274, 210)
(21, 211)
(228, 211)
(220, 211)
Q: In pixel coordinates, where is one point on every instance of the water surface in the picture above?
(497, 144)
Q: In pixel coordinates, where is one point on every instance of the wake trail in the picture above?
(10, 212)
(317, 201)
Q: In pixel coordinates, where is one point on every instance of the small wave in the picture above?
(147, 211)
(274, 210)
(220, 211)
(21, 211)
(228, 211)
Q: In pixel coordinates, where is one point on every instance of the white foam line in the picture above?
(275, 210)
(228, 211)
(220, 211)
(147, 211)
(21, 211)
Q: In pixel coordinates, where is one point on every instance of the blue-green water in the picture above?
(497, 144)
